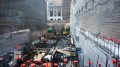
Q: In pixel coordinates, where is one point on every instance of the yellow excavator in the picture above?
(64, 31)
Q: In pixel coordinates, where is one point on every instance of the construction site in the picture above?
(59, 33)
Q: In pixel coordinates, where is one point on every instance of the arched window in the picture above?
(59, 19)
(51, 19)
(59, 13)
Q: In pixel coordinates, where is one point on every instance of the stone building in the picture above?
(66, 9)
(54, 10)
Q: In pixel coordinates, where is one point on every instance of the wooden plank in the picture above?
(39, 56)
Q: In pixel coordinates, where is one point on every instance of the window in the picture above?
(59, 19)
(60, 7)
(51, 19)
(75, 1)
(57, 7)
(59, 13)
(54, 13)
(51, 13)
(82, 9)
(93, 1)
(86, 5)
(79, 11)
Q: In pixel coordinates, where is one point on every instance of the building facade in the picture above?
(22, 14)
(66, 9)
(90, 20)
(54, 10)
(97, 17)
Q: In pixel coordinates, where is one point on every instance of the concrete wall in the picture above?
(99, 16)
(95, 16)
(28, 13)
(91, 51)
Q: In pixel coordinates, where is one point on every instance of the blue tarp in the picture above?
(78, 50)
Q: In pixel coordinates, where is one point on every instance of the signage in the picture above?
(17, 54)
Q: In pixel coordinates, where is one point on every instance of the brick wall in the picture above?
(22, 14)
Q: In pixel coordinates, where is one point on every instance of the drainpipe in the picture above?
(97, 60)
(83, 61)
(90, 63)
(106, 60)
